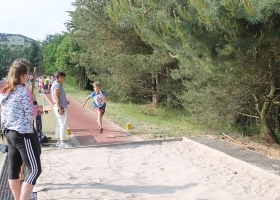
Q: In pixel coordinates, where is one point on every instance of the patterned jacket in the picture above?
(17, 110)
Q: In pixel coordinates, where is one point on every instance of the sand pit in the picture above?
(169, 170)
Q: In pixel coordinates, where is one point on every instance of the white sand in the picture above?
(171, 170)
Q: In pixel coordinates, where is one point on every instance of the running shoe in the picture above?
(101, 130)
(38, 188)
(64, 145)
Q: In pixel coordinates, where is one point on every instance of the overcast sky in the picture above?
(34, 18)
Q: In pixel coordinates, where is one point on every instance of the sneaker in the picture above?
(38, 188)
(64, 145)
(101, 130)
(57, 144)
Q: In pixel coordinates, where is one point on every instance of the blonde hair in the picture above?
(96, 84)
(19, 67)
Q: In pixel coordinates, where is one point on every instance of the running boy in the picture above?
(99, 102)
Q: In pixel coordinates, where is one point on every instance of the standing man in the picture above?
(60, 109)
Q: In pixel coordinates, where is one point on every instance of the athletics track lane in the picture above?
(83, 124)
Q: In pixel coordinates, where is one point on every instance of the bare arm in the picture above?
(88, 97)
(105, 97)
(57, 101)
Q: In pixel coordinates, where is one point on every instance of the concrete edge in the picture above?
(3, 163)
(121, 144)
(233, 143)
(74, 139)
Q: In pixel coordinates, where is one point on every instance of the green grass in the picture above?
(146, 120)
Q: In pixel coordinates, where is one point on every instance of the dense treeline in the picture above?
(218, 60)
(32, 53)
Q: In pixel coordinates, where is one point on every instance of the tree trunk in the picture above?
(168, 94)
(265, 127)
(277, 119)
(83, 79)
(267, 130)
(154, 90)
(157, 89)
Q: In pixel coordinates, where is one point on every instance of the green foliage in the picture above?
(116, 56)
(227, 52)
(67, 60)
(49, 54)
(219, 60)
(19, 52)
(5, 59)
(61, 53)
(34, 55)
(7, 56)
(64, 56)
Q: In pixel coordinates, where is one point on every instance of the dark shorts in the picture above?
(99, 110)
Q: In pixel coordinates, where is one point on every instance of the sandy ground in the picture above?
(169, 170)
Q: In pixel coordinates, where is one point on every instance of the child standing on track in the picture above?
(99, 102)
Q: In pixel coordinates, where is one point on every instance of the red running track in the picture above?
(83, 124)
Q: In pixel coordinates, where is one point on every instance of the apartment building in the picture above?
(13, 40)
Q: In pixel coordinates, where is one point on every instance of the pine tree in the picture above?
(34, 55)
(117, 56)
(228, 46)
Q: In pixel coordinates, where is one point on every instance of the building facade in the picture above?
(15, 40)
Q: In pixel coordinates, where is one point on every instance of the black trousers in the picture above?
(23, 148)
(36, 140)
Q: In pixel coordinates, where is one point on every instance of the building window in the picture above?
(19, 40)
(13, 40)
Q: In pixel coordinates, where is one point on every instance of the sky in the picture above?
(34, 18)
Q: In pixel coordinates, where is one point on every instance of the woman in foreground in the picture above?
(18, 113)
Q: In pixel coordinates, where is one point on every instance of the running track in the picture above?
(82, 122)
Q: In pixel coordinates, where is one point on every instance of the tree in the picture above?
(213, 40)
(32, 53)
(117, 56)
(49, 54)
(33, 56)
(67, 60)
(5, 59)
(17, 52)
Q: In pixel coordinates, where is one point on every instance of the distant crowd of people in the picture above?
(44, 82)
